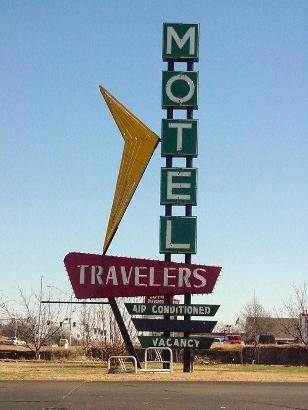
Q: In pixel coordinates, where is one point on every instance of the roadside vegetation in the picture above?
(97, 370)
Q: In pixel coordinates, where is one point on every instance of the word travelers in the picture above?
(142, 276)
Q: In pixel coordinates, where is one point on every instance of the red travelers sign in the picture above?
(98, 276)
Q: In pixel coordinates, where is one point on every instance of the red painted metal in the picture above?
(100, 276)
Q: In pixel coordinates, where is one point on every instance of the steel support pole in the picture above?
(168, 212)
(187, 356)
(118, 317)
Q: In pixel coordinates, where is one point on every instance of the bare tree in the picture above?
(98, 325)
(296, 306)
(36, 323)
(254, 320)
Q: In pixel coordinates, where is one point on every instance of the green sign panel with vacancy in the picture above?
(178, 186)
(176, 342)
(180, 89)
(180, 42)
(179, 138)
(178, 234)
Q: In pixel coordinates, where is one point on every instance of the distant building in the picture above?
(284, 329)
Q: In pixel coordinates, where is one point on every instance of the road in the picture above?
(59, 395)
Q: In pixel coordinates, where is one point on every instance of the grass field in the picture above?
(97, 371)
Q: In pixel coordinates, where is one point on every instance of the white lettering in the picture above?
(184, 274)
(152, 278)
(96, 274)
(167, 277)
(112, 275)
(189, 82)
(183, 342)
(173, 35)
(179, 135)
(201, 278)
(169, 244)
(138, 276)
(177, 185)
(154, 341)
(161, 343)
(82, 273)
(125, 277)
(176, 343)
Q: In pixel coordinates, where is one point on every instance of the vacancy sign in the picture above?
(100, 276)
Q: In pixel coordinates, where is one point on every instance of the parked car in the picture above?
(266, 339)
(234, 340)
(63, 343)
(219, 339)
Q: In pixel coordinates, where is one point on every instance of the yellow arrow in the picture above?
(140, 143)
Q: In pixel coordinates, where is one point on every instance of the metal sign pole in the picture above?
(123, 330)
(168, 212)
(119, 319)
(187, 356)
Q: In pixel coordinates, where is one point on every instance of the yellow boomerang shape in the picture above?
(140, 143)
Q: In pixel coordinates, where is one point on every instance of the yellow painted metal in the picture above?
(140, 143)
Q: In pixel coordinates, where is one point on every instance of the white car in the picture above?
(63, 343)
(14, 341)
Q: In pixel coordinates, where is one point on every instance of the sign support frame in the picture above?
(187, 356)
(120, 322)
(168, 212)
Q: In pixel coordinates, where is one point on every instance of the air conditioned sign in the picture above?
(98, 276)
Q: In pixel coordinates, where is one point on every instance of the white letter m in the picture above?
(189, 35)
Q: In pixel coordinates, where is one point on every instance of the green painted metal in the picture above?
(179, 138)
(180, 89)
(175, 310)
(178, 234)
(180, 42)
(178, 326)
(176, 342)
(178, 186)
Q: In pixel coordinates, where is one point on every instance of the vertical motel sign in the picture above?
(178, 234)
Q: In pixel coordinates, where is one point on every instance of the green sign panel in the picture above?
(179, 138)
(180, 42)
(178, 186)
(176, 342)
(174, 310)
(180, 89)
(178, 234)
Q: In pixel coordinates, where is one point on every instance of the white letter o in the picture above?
(190, 93)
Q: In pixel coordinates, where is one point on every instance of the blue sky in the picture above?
(60, 149)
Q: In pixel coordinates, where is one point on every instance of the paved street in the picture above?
(53, 395)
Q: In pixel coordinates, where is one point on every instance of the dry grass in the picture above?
(96, 371)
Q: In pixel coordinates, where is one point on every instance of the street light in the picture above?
(69, 319)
